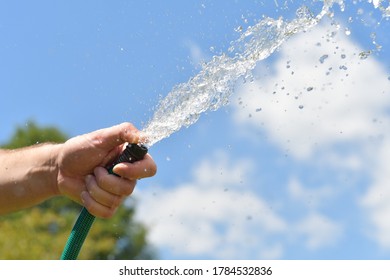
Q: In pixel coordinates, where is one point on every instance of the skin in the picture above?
(75, 169)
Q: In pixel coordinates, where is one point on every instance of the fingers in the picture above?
(137, 170)
(105, 192)
(113, 184)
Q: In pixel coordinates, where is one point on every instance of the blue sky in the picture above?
(295, 167)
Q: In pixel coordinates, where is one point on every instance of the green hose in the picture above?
(77, 236)
(132, 153)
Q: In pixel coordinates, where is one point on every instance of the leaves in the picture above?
(32, 134)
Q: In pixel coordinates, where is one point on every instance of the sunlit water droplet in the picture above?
(365, 54)
(239, 29)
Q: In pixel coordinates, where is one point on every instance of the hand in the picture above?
(82, 175)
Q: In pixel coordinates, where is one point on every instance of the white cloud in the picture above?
(319, 231)
(309, 196)
(197, 56)
(377, 198)
(218, 216)
(214, 215)
(315, 229)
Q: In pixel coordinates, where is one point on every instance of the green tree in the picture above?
(32, 134)
(42, 231)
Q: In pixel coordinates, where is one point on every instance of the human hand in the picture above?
(82, 175)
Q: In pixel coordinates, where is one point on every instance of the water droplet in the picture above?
(322, 58)
(388, 78)
(310, 88)
(259, 109)
(168, 159)
(364, 54)
(301, 107)
(238, 29)
(343, 67)
(347, 31)
(343, 56)
(334, 33)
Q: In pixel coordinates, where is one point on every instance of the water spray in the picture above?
(132, 153)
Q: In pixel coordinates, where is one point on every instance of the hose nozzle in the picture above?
(132, 153)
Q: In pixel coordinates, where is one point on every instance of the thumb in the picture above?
(111, 137)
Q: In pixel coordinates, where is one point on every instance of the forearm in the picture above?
(28, 176)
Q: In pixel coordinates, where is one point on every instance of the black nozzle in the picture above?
(132, 153)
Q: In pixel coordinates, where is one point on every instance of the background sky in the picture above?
(295, 167)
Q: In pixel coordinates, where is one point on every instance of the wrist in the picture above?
(52, 167)
(44, 171)
(31, 176)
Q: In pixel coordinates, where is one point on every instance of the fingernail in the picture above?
(118, 167)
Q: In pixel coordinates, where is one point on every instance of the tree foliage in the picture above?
(32, 134)
(42, 231)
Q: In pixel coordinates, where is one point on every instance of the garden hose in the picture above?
(132, 153)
